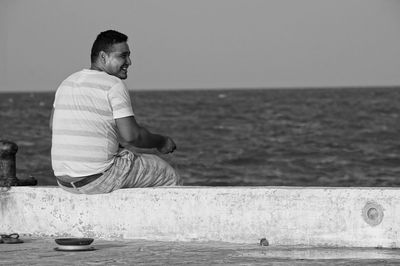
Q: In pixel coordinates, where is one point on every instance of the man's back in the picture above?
(85, 138)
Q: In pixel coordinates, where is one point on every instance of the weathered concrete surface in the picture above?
(343, 217)
(140, 252)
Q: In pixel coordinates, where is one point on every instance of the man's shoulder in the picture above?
(101, 77)
(73, 75)
(90, 77)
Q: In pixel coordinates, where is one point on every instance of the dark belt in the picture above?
(86, 180)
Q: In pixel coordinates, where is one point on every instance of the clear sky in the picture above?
(205, 43)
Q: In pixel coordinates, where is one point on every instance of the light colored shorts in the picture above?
(131, 170)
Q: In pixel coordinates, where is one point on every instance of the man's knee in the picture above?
(175, 177)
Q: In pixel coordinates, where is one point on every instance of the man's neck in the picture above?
(96, 67)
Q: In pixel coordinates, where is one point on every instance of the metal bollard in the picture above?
(8, 177)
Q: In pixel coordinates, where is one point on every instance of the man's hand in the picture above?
(168, 146)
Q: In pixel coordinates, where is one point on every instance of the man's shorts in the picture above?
(131, 170)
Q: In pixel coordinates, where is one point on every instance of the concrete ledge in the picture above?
(312, 216)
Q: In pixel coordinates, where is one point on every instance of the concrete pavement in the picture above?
(40, 251)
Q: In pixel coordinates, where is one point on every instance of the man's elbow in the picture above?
(129, 130)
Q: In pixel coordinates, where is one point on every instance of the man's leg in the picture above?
(132, 170)
(149, 170)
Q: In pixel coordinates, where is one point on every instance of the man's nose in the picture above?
(128, 61)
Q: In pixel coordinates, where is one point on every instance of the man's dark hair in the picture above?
(104, 41)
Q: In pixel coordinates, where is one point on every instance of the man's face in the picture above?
(118, 61)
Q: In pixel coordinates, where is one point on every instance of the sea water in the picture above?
(290, 137)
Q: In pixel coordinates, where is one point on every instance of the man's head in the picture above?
(110, 53)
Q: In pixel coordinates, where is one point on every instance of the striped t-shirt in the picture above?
(85, 136)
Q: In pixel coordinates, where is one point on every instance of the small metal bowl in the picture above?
(74, 241)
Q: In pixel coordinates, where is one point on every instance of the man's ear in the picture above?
(103, 57)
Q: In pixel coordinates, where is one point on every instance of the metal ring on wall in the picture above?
(372, 213)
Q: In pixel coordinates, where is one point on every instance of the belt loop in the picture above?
(72, 184)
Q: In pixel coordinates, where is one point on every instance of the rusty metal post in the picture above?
(8, 150)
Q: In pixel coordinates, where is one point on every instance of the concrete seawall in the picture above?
(312, 216)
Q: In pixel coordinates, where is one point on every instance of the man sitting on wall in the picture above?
(92, 110)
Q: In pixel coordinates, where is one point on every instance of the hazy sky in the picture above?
(205, 43)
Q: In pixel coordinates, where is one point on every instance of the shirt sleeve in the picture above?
(120, 101)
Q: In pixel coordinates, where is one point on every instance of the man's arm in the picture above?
(140, 137)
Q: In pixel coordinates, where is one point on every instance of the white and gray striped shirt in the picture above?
(85, 136)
